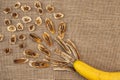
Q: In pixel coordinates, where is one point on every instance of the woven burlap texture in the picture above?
(94, 26)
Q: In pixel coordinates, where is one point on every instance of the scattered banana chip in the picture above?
(38, 21)
(14, 15)
(37, 4)
(13, 39)
(40, 11)
(7, 10)
(50, 8)
(7, 51)
(22, 45)
(20, 60)
(30, 53)
(11, 28)
(31, 27)
(25, 8)
(49, 25)
(44, 49)
(19, 26)
(1, 37)
(39, 64)
(47, 38)
(7, 22)
(17, 5)
(35, 37)
(62, 30)
(22, 37)
(58, 15)
(26, 19)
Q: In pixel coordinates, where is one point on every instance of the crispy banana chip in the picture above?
(31, 28)
(58, 15)
(22, 37)
(20, 60)
(49, 25)
(19, 26)
(47, 38)
(39, 64)
(13, 39)
(62, 30)
(14, 15)
(50, 8)
(37, 4)
(17, 5)
(43, 49)
(38, 21)
(40, 11)
(25, 8)
(7, 22)
(30, 53)
(35, 38)
(11, 28)
(26, 19)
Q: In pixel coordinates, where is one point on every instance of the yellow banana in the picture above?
(91, 73)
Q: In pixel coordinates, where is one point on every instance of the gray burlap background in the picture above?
(94, 25)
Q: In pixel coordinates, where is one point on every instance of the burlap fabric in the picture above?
(94, 26)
